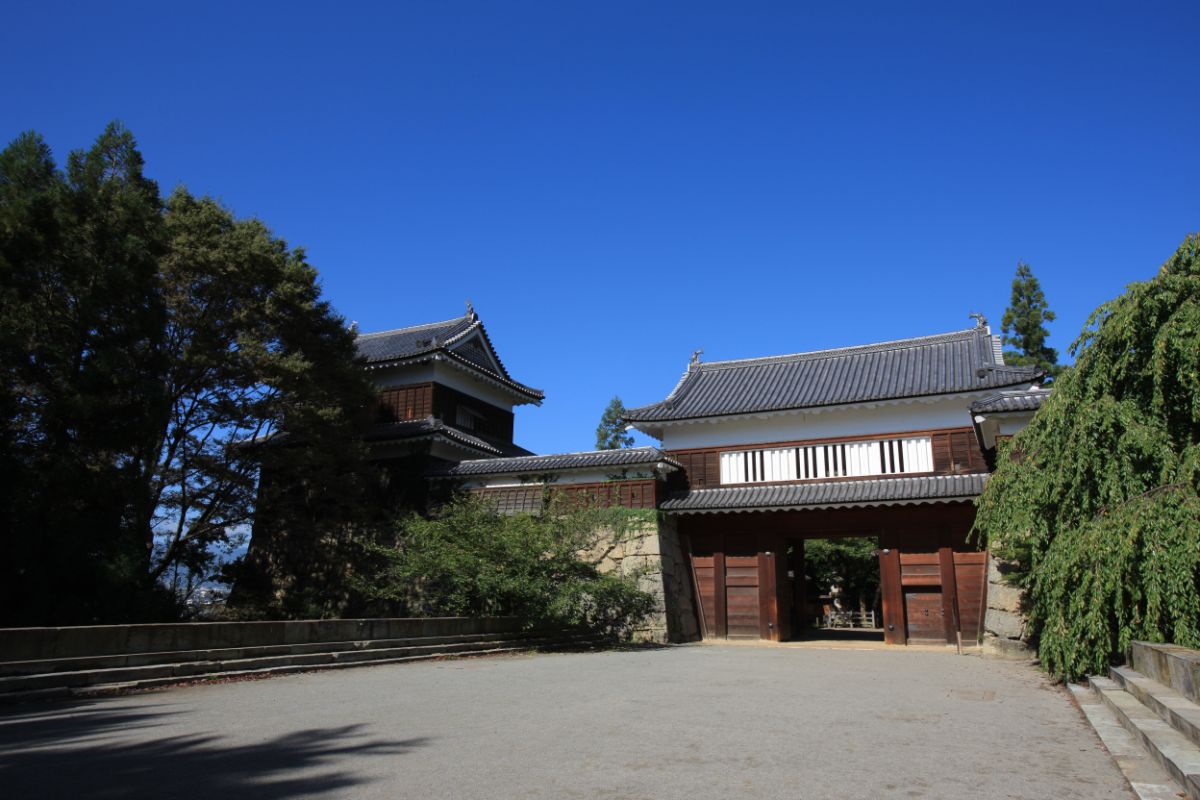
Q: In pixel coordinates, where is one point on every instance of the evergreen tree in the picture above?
(142, 347)
(1024, 324)
(81, 324)
(612, 433)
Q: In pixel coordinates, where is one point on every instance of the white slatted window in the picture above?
(834, 460)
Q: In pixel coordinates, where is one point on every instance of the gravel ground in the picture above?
(692, 722)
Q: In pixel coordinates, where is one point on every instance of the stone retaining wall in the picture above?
(654, 555)
(1005, 626)
(94, 640)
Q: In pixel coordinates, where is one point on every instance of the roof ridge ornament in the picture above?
(980, 320)
(471, 310)
(695, 357)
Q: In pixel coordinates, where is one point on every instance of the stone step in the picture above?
(1176, 753)
(1173, 708)
(150, 683)
(188, 670)
(1171, 665)
(1146, 777)
(43, 666)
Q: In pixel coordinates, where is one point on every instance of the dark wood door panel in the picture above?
(924, 615)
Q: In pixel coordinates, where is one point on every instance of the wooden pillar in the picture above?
(949, 594)
(894, 629)
(783, 593)
(720, 623)
(800, 590)
(768, 610)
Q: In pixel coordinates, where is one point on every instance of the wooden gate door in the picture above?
(730, 591)
(742, 605)
(925, 617)
(924, 606)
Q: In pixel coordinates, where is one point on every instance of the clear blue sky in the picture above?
(617, 184)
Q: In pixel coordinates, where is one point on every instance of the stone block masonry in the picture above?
(651, 552)
(1005, 626)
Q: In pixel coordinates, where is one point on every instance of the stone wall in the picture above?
(95, 640)
(654, 555)
(1005, 627)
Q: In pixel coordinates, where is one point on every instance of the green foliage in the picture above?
(81, 320)
(469, 560)
(1096, 500)
(140, 344)
(612, 432)
(1024, 326)
(852, 563)
(252, 350)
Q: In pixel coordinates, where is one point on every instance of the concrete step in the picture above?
(44, 666)
(1172, 666)
(186, 670)
(1173, 708)
(1176, 753)
(1146, 777)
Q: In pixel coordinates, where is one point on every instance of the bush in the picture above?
(468, 560)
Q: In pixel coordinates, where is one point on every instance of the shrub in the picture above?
(469, 560)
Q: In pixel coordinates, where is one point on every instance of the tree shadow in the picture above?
(95, 750)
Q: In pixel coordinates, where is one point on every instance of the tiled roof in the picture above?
(822, 494)
(963, 361)
(454, 340)
(592, 459)
(1029, 399)
(431, 426)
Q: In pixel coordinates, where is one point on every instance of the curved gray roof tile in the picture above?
(592, 459)
(1030, 399)
(948, 363)
(820, 494)
(453, 338)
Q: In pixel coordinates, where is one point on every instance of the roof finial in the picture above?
(695, 357)
(980, 319)
(470, 308)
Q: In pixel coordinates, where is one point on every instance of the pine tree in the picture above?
(611, 433)
(1024, 326)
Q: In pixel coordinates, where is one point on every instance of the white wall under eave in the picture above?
(950, 412)
(1012, 424)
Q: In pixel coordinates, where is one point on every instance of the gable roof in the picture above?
(1012, 400)
(591, 459)
(947, 363)
(462, 341)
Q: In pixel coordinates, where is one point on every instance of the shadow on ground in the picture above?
(86, 750)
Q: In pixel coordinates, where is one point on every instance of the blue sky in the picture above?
(615, 185)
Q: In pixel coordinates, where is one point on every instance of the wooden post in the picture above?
(720, 591)
(768, 609)
(894, 629)
(685, 544)
(949, 594)
(783, 592)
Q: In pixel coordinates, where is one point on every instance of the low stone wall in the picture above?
(19, 644)
(1005, 626)
(654, 555)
